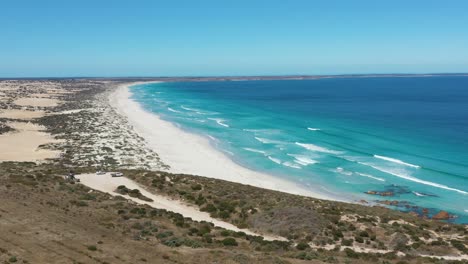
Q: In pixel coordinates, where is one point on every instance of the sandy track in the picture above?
(108, 184)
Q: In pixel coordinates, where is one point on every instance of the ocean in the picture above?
(379, 139)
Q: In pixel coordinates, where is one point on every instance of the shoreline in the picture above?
(188, 153)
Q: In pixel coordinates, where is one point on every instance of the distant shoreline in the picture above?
(239, 77)
(189, 153)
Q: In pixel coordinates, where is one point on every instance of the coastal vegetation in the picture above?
(47, 219)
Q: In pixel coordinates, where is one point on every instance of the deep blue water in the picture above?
(339, 136)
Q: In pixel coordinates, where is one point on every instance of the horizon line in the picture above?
(236, 76)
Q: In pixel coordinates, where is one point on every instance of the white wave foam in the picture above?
(219, 121)
(189, 109)
(343, 171)
(173, 110)
(262, 131)
(255, 150)
(313, 129)
(291, 165)
(198, 111)
(370, 176)
(275, 160)
(413, 179)
(213, 138)
(228, 152)
(303, 160)
(316, 148)
(268, 141)
(396, 161)
(418, 194)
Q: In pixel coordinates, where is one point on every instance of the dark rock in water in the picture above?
(442, 215)
(397, 189)
(390, 190)
(380, 193)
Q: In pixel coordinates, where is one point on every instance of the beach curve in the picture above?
(189, 153)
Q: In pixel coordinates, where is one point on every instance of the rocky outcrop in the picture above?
(442, 215)
(380, 193)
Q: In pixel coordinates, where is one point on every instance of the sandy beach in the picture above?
(188, 153)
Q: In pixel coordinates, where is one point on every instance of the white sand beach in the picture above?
(189, 153)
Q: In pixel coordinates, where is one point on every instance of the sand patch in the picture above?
(7, 88)
(20, 114)
(22, 145)
(42, 102)
(41, 95)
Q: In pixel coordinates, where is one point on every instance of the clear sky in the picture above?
(239, 37)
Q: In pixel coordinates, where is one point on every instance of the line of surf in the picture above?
(396, 161)
(191, 153)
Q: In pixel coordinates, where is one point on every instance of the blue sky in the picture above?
(187, 38)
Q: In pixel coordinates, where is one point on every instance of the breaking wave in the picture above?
(219, 121)
(316, 148)
(173, 110)
(370, 176)
(303, 160)
(275, 160)
(396, 161)
(413, 179)
(268, 141)
(255, 150)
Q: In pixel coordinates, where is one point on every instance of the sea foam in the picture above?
(370, 176)
(413, 179)
(173, 110)
(316, 148)
(275, 160)
(255, 150)
(219, 121)
(396, 161)
(268, 141)
(303, 160)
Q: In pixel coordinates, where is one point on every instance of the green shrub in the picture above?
(458, 245)
(347, 242)
(302, 246)
(209, 208)
(164, 234)
(229, 241)
(196, 187)
(351, 253)
(359, 239)
(225, 233)
(363, 234)
(92, 248)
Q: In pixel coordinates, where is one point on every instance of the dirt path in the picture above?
(108, 184)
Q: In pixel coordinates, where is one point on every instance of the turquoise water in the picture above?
(338, 136)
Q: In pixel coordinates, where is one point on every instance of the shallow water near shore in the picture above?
(405, 138)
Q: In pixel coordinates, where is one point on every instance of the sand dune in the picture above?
(22, 144)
